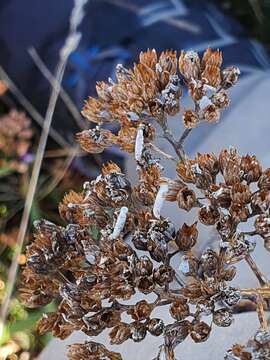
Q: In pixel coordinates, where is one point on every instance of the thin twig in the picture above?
(183, 137)
(71, 43)
(30, 108)
(63, 94)
(161, 152)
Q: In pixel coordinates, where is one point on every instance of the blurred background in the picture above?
(113, 31)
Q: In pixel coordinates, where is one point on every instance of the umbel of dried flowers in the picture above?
(117, 244)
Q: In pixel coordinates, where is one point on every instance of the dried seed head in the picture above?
(146, 284)
(230, 76)
(262, 225)
(163, 275)
(240, 193)
(209, 262)
(95, 140)
(176, 333)
(186, 199)
(264, 180)
(220, 99)
(251, 168)
(144, 266)
(141, 310)
(209, 163)
(179, 309)
(230, 295)
(185, 172)
(211, 113)
(120, 333)
(138, 331)
(186, 237)
(190, 119)
(239, 212)
(91, 350)
(220, 195)
(260, 201)
(200, 332)
(155, 326)
(223, 317)
(208, 215)
(189, 65)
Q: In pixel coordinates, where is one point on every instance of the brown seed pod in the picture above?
(176, 333)
(144, 267)
(185, 172)
(138, 331)
(190, 119)
(163, 275)
(209, 163)
(251, 168)
(229, 76)
(200, 332)
(155, 326)
(262, 225)
(189, 65)
(209, 262)
(186, 237)
(220, 99)
(186, 199)
(208, 215)
(223, 317)
(141, 310)
(260, 201)
(240, 193)
(120, 333)
(211, 113)
(220, 195)
(179, 309)
(239, 212)
(264, 180)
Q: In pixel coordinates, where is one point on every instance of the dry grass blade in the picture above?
(63, 94)
(69, 46)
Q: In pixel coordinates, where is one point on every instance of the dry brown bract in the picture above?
(95, 262)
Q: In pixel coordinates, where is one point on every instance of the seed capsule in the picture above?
(186, 237)
(208, 215)
(155, 326)
(223, 317)
(179, 310)
(200, 332)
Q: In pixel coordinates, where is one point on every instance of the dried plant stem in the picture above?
(57, 153)
(261, 313)
(63, 94)
(259, 275)
(183, 137)
(263, 291)
(30, 108)
(69, 46)
(161, 152)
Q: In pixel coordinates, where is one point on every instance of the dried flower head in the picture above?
(117, 243)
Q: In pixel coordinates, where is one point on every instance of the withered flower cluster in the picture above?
(15, 140)
(116, 245)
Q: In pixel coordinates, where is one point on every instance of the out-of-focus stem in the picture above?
(259, 275)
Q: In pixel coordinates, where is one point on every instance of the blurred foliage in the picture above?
(254, 15)
(18, 141)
